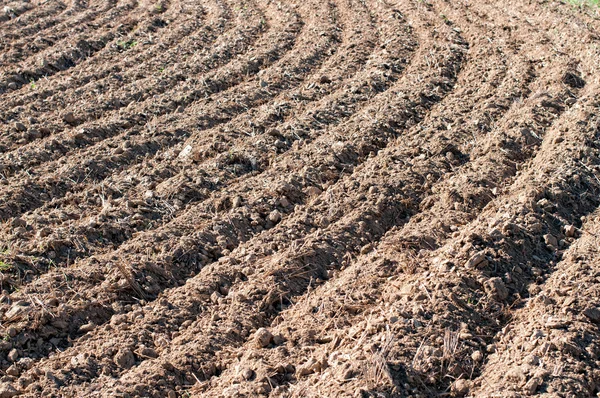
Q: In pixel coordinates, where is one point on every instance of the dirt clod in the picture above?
(262, 338)
(124, 358)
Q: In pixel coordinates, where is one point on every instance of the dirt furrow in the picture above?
(102, 166)
(391, 209)
(123, 79)
(51, 31)
(172, 187)
(67, 55)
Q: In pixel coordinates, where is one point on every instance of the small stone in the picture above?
(215, 296)
(13, 355)
(313, 191)
(325, 79)
(88, 327)
(593, 314)
(148, 352)
(551, 240)
(186, 152)
(262, 338)
(149, 194)
(275, 216)
(247, 374)
(278, 339)
(570, 231)
(477, 356)
(34, 134)
(7, 391)
(18, 222)
(531, 386)
(172, 394)
(475, 260)
(284, 202)
(13, 86)
(366, 248)
(496, 289)
(69, 118)
(124, 358)
(20, 126)
(12, 331)
(42, 233)
(311, 366)
(13, 371)
(461, 387)
(237, 202)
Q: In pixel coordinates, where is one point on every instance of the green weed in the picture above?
(580, 3)
(126, 44)
(4, 267)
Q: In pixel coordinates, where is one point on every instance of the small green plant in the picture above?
(126, 44)
(579, 3)
(32, 84)
(4, 267)
(158, 7)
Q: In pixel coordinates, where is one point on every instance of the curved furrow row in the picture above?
(295, 199)
(65, 56)
(164, 33)
(94, 260)
(105, 160)
(448, 66)
(23, 15)
(48, 32)
(178, 186)
(344, 296)
(126, 80)
(193, 212)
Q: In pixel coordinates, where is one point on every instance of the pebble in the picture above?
(284, 202)
(532, 386)
(551, 240)
(18, 222)
(461, 387)
(69, 117)
(313, 191)
(20, 126)
(13, 355)
(477, 260)
(275, 216)
(237, 202)
(149, 352)
(13, 86)
(186, 152)
(247, 374)
(7, 391)
(13, 371)
(88, 327)
(12, 331)
(262, 338)
(172, 394)
(124, 358)
(570, 231)
(366, 248)
(148, 195)
(477, 356)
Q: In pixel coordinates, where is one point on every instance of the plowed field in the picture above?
(317, 198)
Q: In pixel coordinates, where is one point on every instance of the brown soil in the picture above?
(353, 198)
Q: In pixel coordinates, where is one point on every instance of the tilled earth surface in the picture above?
(317, 198)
